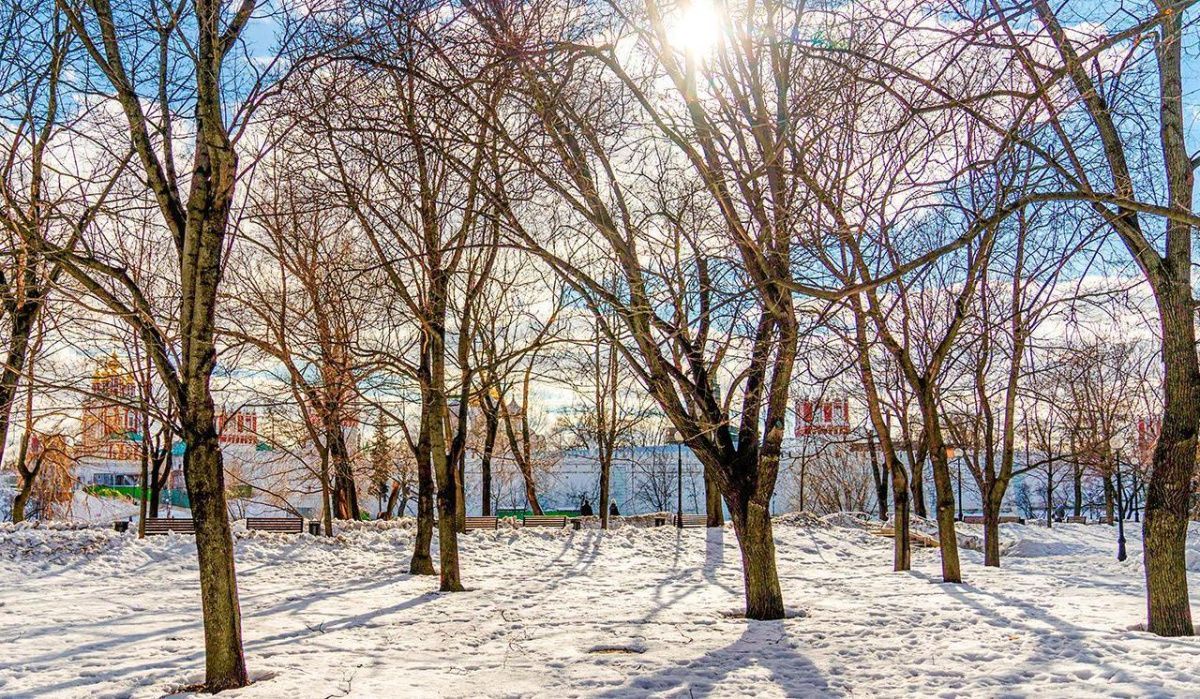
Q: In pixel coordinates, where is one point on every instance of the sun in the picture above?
(695, 27)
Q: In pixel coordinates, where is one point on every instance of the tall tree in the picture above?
(160, 63)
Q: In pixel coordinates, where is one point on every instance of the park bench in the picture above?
(481, 523)
(1003, 519)
(279, 525)
(691, 521)
(1077, 520)
(545, 521)
(162, 525)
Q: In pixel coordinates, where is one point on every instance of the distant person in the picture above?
(585, 510)
(613, 511)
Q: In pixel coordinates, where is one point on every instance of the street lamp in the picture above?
(1121, 555)
(679, 485)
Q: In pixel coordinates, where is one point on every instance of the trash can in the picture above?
(121, 526)
(314, 528)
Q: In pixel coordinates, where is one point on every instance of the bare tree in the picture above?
(157, 63)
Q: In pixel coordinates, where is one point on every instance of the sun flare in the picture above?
(696, 27)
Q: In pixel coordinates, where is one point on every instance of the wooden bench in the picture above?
(1003, 519)
(162, 525)
(279, 525)
(545, 521)
(691, 521)
(1077, 520)
(481, 523)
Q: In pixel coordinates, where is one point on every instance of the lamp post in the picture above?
(1121, 555)
(679, 484)
(950, 454)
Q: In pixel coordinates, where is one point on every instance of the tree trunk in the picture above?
(392, 498)
(917, 481)
(901, 520)
(225, 665)
(1108, 500)
(160, 469)
(492, 421)
(422, 561)
(444, 472)
(345, 492)
(1049, 492)
(21, 501)
(460, 494)
(714, 506)
(752, 524)
(881, 487)
(21, 326)
(605, 476)
(1164, 528)
(1077, 483)
(943, 484)
(143, 501)
(992, 503)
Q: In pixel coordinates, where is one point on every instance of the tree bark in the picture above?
(943, 484)
(752, 524)
(605, 477)
(1077, 483)
(224, 662)
(992, 503)
(881, 486)
(1108, 500)
(901, 520)
(492, 428)
(1164, 527)
(714, 506)
(422, 560)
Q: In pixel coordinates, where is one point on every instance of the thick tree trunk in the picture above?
(21, 323)
(1164, 528)
(345, 492)
(944, 486)
(422, 561)
(447, 496)
(225, 665)
(752, 524)
(714, 506)
(444, 472)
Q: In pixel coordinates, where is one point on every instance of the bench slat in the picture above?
(690, 521)
(482, 523)
(545, 521)
(286, 525)
(162, 525)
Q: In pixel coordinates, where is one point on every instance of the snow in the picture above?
(635, 611)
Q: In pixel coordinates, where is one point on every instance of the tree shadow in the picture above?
(763, 646)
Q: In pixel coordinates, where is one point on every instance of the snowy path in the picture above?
(629, 613)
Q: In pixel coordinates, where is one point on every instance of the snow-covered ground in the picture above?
(632, 612)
